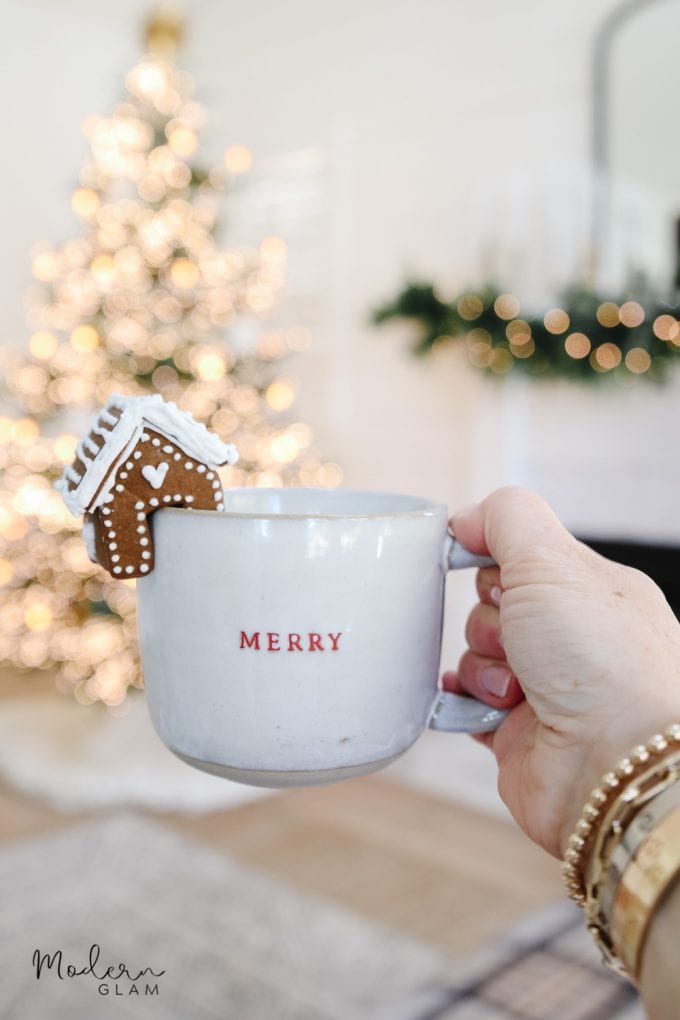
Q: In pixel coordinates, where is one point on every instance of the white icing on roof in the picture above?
(120, 439)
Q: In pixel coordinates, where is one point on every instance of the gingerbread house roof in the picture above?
(113, 435)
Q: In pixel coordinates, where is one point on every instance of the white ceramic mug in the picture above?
(295, 638)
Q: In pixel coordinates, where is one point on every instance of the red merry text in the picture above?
(272, 641)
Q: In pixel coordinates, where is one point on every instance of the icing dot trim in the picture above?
(144, 567)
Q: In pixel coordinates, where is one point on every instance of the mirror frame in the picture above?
(600, 146)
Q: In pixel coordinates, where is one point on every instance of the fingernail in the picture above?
(495, 595)
(464, 511)
(495, 680)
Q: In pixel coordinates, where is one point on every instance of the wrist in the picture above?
(625, 851)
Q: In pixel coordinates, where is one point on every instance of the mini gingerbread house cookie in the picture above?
(141, 454)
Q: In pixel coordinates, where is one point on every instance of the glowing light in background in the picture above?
(238, 159)
(143, 299)
(556, 321)
(506, 306)
(577, 345)
(608, 314)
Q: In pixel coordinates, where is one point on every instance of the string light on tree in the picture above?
(143, 299)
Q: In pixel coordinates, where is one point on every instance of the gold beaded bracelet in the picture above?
(610, 807)
(601, 797)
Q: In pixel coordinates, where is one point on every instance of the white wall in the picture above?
(455, 138)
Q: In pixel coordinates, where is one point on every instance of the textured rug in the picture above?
(227, 943)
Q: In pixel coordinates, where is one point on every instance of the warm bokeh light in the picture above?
(608, 314)
(638, 361)
(184, 273)
(238, 159)
(38, 616)
(506, 306)
(85, 339)
(470, 307)
(518, 332)
(479, 349)
(182, 139)
(143, 299)
(666, 327)
(605, 357)
(85, 202)
(43, 344)
(65, 448)
(211, 366)
(280, 394)
(577, 345)
(631, 314)
(556, 321)
(501, 361)
(524, 347)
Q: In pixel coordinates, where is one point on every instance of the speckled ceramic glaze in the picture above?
(295, 637)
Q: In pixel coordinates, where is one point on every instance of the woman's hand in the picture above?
(586, 653)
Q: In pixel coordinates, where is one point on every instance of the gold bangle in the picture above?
(642, 886)
(650, 810)
(620, 816)
(601, 798)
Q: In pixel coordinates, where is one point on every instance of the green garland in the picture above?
(586, 337)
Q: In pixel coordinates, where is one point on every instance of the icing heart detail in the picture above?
(155, 476)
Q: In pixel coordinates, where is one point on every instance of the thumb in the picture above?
(509, 523)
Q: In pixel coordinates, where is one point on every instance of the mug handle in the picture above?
(456, 713)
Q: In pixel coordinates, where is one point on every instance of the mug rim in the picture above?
(427, 507)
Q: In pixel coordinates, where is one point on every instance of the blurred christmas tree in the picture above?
(143, 300)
